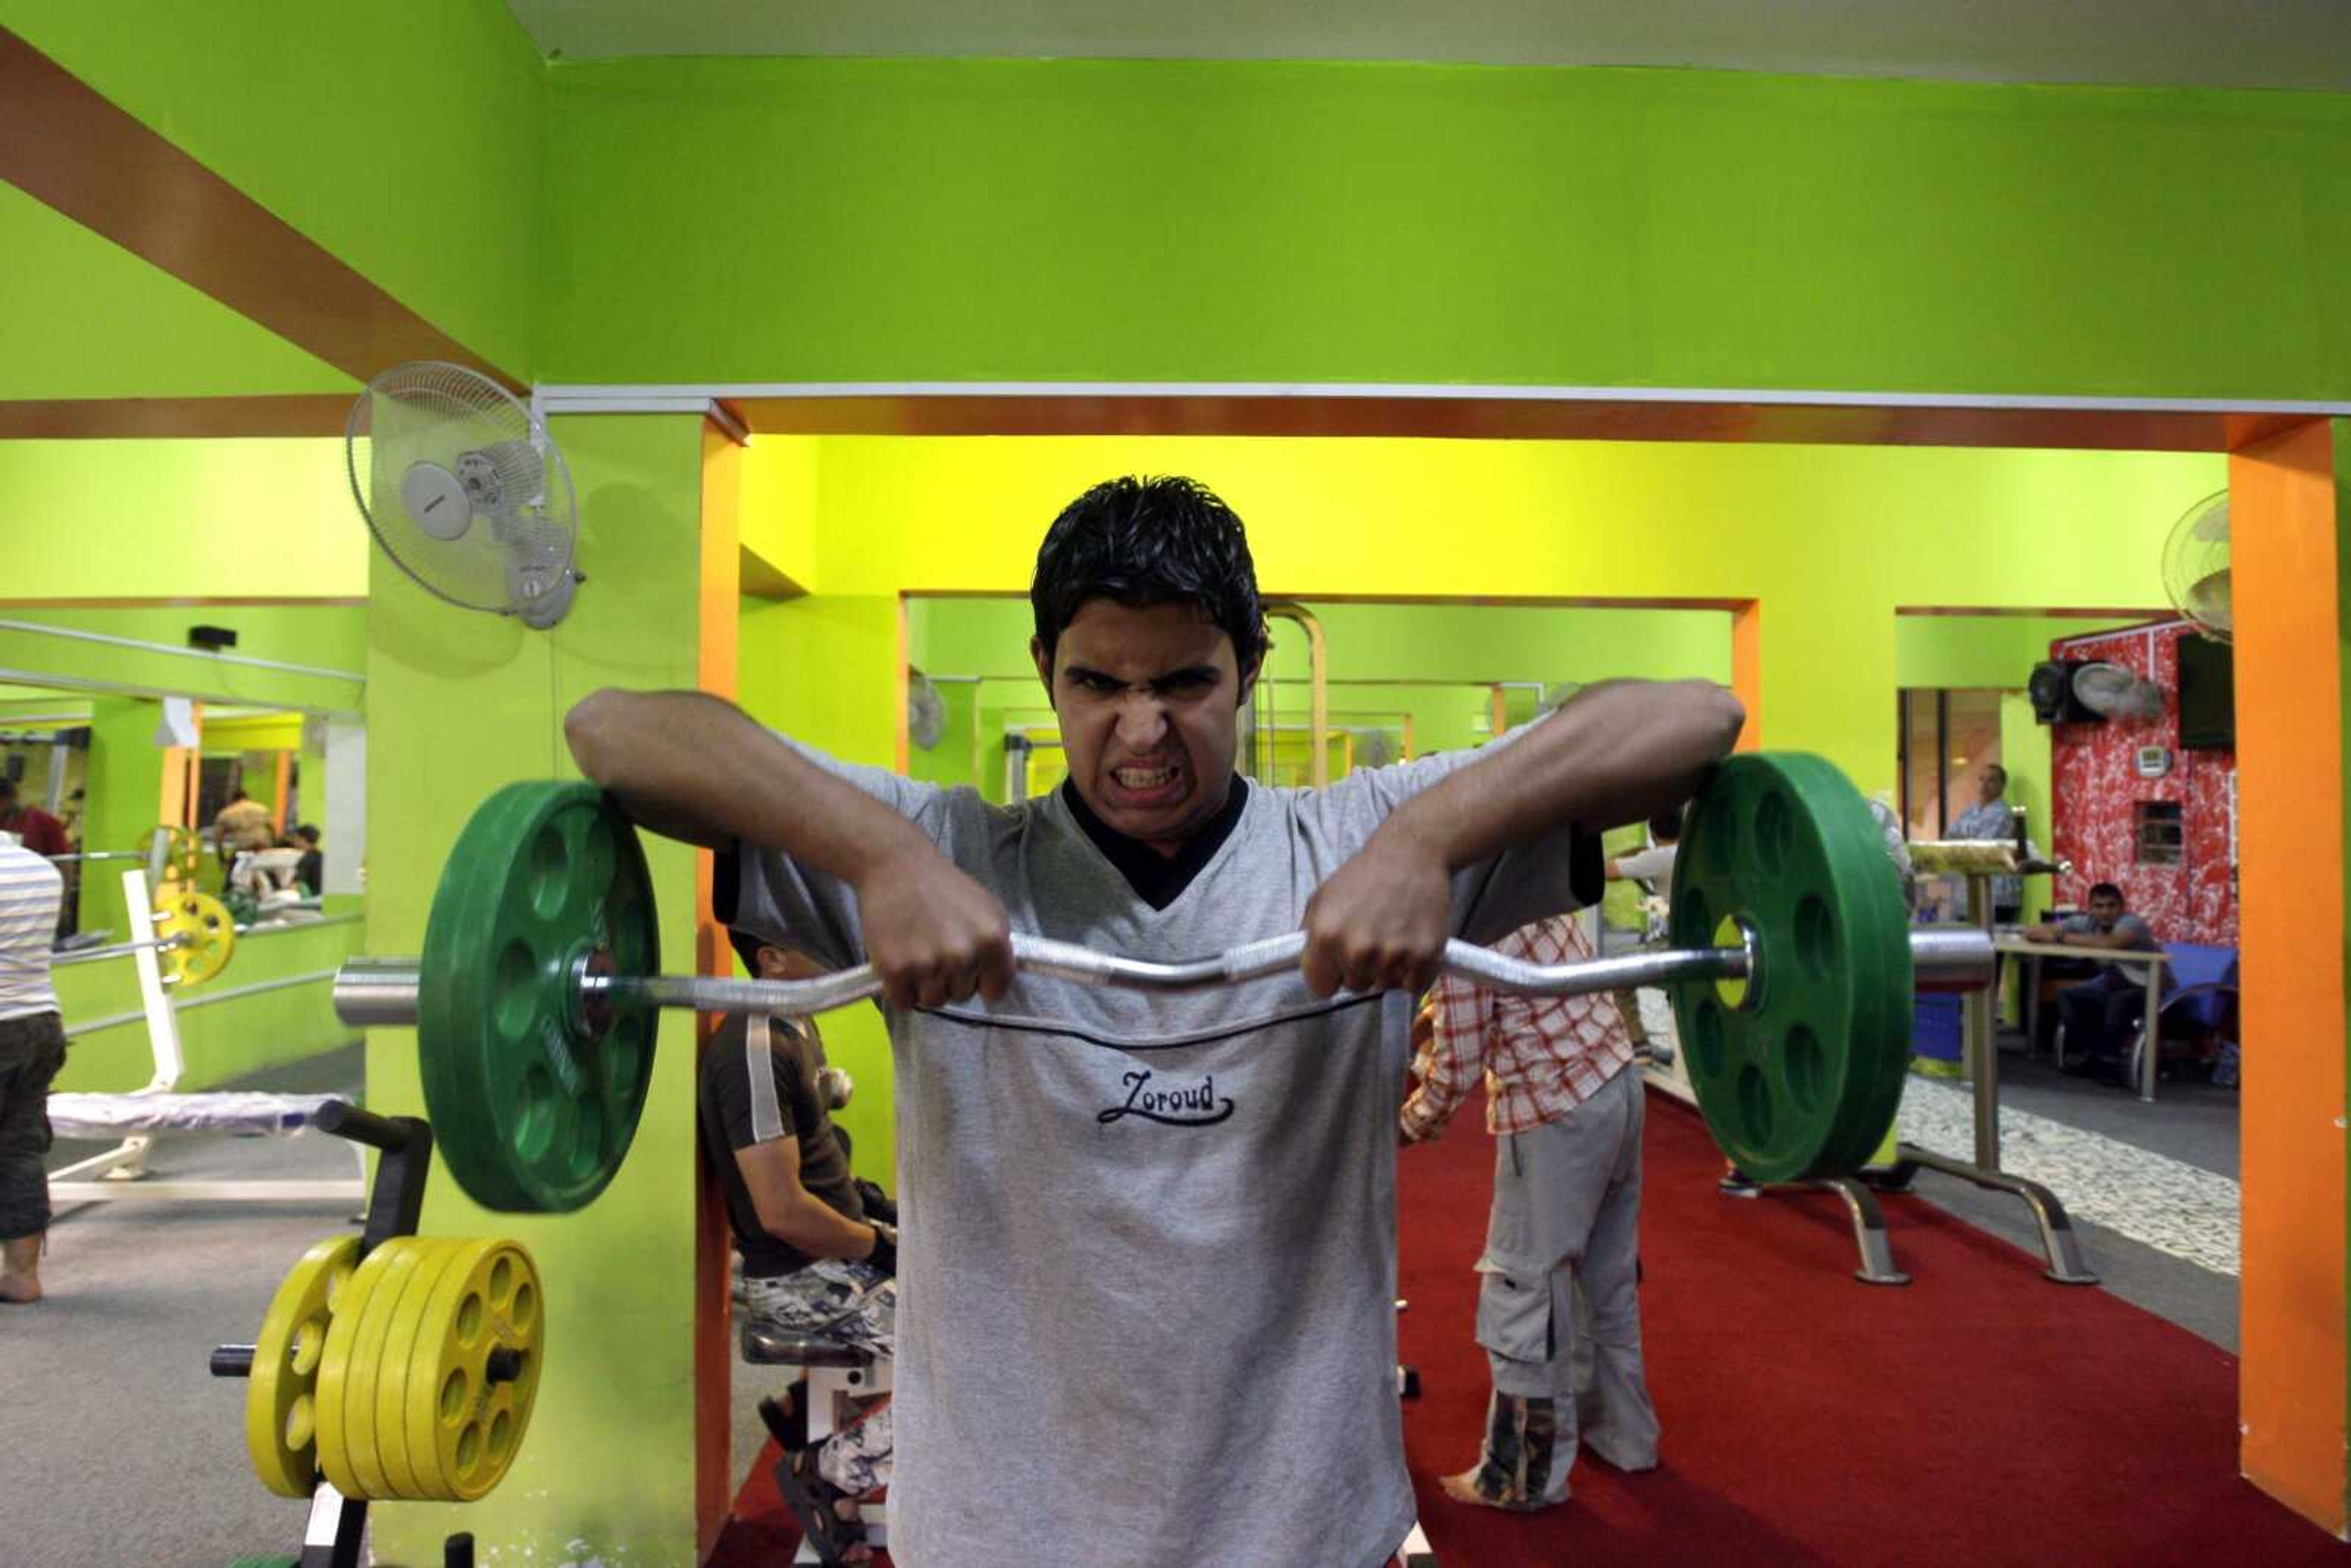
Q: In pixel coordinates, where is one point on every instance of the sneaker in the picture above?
(1736, 1182)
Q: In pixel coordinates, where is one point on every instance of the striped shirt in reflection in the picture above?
(1541, 1056)
(30, 890)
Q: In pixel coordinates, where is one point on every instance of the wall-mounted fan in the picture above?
(2195, 566)
(465, 490)
(2113, 691)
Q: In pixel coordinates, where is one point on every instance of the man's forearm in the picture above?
(696, 767)
(2107, 942)
(1621, 751)
(818, 1229)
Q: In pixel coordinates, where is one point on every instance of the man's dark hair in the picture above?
(1140, 542)
(306, 833)
(2108, 889)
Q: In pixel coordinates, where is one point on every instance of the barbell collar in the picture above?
(233, 1359)
(1960, 959)
(378, 993)
(383, 992)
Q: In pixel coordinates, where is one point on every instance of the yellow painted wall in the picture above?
(1830, 539)
(179, 520)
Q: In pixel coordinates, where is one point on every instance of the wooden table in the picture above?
(2034, 952)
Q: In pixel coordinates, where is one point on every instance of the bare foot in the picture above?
(19, 1291)
(1463, 1487)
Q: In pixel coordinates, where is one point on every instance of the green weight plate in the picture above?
(532, 1106)
(1799, 1071)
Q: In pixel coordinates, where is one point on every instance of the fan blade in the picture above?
(2208, 600)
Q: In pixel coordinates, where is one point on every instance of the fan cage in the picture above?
(463, 422)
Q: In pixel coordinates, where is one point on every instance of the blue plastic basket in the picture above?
(1935, 1031)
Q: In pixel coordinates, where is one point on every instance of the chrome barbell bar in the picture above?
(383, 992)
(116, 950)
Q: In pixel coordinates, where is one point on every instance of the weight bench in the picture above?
(138, 1117)
(832, 1370)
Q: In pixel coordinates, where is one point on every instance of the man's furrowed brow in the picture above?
(1183, 674)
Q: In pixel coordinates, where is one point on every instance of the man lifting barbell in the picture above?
(1147, 1311)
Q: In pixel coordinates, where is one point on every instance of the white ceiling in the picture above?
(2299, 44)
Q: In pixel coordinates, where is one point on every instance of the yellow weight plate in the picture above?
(182, 851)
(463, 1430)
(364, 1375)
(428, 1369)
(205, 931)
(281, 1397)
(392, 1388)
(336, 1367)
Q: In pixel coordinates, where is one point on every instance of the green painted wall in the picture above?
(322, 638)
(1280, 221)
(84, 317)
(122, 794)
(482, 697)
(405, 138)
(1983, 650)
(179, 520)
(219, 1040)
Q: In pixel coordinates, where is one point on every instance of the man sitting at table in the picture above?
(2102, 1013)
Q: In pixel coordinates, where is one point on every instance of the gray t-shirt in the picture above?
(1146, 1289)
(2135, 933)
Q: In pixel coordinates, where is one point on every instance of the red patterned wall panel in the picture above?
(2095, 787)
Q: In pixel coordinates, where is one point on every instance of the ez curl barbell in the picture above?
(1792, 972)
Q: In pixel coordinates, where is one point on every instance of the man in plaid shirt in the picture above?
(1559, 1311)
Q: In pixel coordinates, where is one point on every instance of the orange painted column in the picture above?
(2287, 530)
(278, 823)
(716, 662)
(1747, 669)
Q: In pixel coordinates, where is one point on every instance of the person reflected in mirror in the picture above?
(242, 825)
(32, 1050)
(36, 830)
(311, 871)
(816, 1262)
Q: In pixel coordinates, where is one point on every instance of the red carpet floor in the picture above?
(1980, 1415)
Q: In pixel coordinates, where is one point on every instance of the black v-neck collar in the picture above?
(1159, 880)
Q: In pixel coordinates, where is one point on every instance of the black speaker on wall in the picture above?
(2050, 692)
